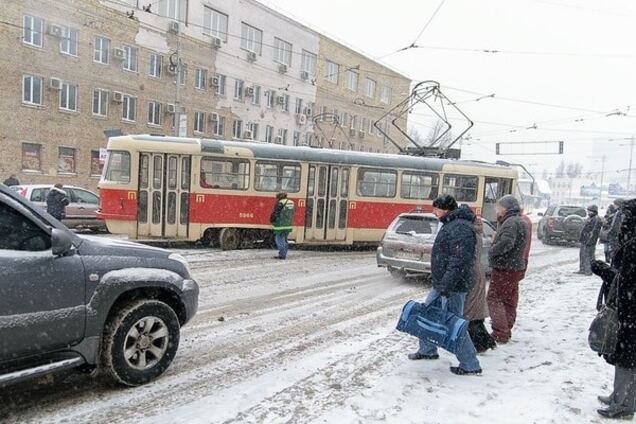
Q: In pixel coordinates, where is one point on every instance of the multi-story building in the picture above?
(75, 70)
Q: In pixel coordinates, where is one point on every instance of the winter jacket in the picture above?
(475, 305)
(614, 228)
(607, 224)
(526, 250)
(591, 230)
(625, 301)
(282, 216)
(56, 202)
(453, 253)
(507, 250)
(11, 181)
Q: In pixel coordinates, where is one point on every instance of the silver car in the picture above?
(405, 249)
(81, 212)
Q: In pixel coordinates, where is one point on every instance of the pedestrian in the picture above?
(589, 239)
(56, 201)
(475, 307)
(621, 403)
(506, 258)
(526, 250)
(452, 261)
(612, 233)
(603, 235)
(12, 181)
(282, 219)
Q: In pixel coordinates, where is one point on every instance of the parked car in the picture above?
(405, 248)
(73, 301)
(561, 223)
(81, 211)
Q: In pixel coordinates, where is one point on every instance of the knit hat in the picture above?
(445, 202)
(593, 208)
(509, 202)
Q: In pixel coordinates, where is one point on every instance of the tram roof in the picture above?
(300, 153)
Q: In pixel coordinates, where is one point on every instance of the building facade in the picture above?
(75, 70)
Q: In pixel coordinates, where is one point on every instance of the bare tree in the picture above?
(574, 169)
(416, 136)
(560, 170)
(438, 136)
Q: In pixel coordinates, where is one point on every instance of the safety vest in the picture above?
(285, 217)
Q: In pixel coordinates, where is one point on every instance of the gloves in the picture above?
(445, 293)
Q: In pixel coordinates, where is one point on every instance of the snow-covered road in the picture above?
(312, 339)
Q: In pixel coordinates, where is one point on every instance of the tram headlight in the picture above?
(177, 257)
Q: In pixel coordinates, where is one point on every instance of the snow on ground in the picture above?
(312, 340)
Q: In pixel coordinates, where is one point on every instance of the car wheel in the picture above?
(546, 238)
(229, 239)
(139, 342)
(397, 273)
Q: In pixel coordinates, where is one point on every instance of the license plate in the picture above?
(408, 255)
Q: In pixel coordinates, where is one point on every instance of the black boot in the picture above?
(617, 413)
(417, 356)
(461, 371)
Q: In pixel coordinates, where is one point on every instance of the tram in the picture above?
(222, 192)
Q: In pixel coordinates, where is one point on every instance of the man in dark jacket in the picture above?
(12, 181)
(589, 239)
(612, 232)
(282, 219)
(56, 202)
(506, 258)
(622, 401)
(452, 260)
(603, 235)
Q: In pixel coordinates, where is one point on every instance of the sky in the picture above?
(577, 56)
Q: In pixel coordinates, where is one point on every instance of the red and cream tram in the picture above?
(158, 187)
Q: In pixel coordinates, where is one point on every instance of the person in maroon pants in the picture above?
(526, 251)
(506, 258)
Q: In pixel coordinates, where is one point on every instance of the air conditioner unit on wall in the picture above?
(251, 56)
(282, 68)
(214, 117)
(249, 91)
(352, 131)
(278, 139)
(247, 135)
(118, 96)
(55, 83)
(216, 42)
(308, 111)
(172, 69)
(280, 100)
(170, 108)
(361, 134)
(304, 75)
(55, 30)
(301, 119)
(214, 82)
(173, 27)
(119, 53)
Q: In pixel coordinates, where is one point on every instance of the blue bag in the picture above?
(432, 324)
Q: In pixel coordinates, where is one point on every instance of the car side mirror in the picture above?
(539, 213)
(61, 242)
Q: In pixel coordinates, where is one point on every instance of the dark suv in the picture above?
(561, 223)
(69, 301)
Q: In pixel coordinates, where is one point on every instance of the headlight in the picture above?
(177, 257)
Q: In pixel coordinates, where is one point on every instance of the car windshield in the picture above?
(571, 210)
(416, 224)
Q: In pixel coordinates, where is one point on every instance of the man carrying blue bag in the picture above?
(438, 322)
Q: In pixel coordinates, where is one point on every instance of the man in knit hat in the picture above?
(506, 257)
(589, 239)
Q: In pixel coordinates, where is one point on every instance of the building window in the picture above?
(129, 108)
(68, 97)
(215, 23)
(256, 97)
(154, 68)
(200, 77)
(285, 105)
(100, 50)
(252, 127)
(387, 94)
(238, 89)
(220, 88)
(218, 125)
(331, 72)
(282, 51)
(69, 42)
(66, 160)
(199, 122)
(282, 136)
(32, 90)
(352, 80)
(154, 113)
(296, 138)
(237, 128)
(32, 34)
(174, 9)
(298, 107)
(269, 98)
(251, 38)
(269, 133)
(130, 58)
(100, 102)
(344, 119)
(97, 163)
(31, 157)
(369, 88)
(354, 122)
(308, 64)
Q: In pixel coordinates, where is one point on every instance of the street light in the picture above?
(631, 152)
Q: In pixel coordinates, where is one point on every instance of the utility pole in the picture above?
(603, 158)
(177, 106)
(629, 171)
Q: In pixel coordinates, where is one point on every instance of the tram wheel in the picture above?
(230, 238)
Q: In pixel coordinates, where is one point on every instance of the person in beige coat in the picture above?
(476, 307)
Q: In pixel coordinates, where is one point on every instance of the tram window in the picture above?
(342, 219)
(157, 174)
(142, 211)
(332, 214)
(229, 174)
(172, 173)
(309, 215)
(270, 176)
(312, 181)
(156, 207)
(185, 173)
(143, 174)
(118, 167)
(417, 185)
(322, 181)
(334, 183)
(462, 187)
(183, 212)
(172, 208)
(344, 187)
(376, 182)
(320, 213)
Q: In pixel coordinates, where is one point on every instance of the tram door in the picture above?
(164, 187)
(327, 204)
